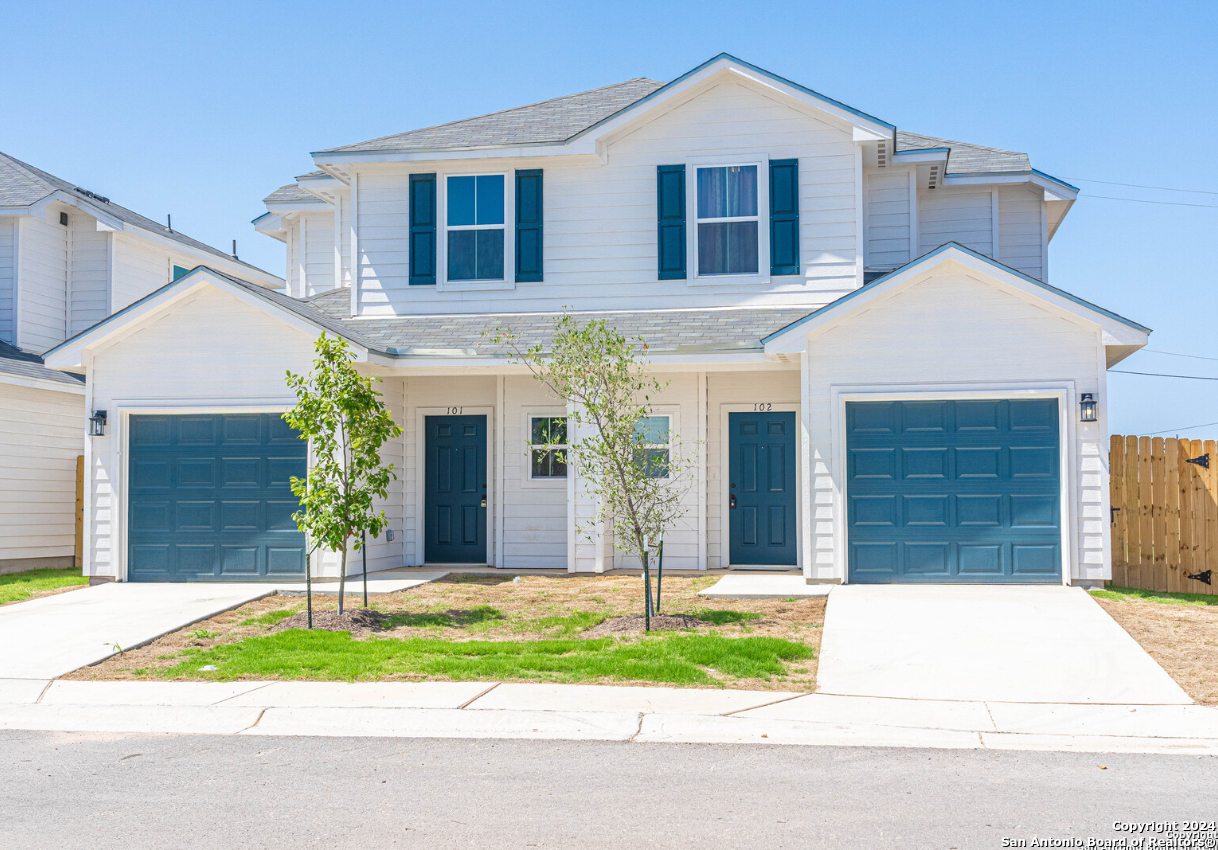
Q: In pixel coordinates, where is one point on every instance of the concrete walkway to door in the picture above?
(991, 644)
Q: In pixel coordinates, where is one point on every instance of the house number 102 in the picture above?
(763, 406)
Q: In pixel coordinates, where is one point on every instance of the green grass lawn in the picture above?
(667, 658)
(1128, 593)
(15, 587)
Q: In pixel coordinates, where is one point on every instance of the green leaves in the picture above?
(346, 422)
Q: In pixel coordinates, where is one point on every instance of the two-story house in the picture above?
(68, 259)
(864, 359)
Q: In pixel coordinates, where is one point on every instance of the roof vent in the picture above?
(933, 182)
(881, 154)
(92, 195)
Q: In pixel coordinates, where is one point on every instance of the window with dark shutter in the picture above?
(670, 209)
(422, 229)
(784, 216)
(528, 226)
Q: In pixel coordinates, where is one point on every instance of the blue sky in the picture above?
(202, 109)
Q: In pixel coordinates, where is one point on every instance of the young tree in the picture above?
(612, 437)
(346, 422)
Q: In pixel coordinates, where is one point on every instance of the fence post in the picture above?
(1116, 489)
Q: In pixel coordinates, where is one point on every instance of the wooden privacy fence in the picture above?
(1165, 513)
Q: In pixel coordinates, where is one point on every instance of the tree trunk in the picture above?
(309, 585)
(342, 579)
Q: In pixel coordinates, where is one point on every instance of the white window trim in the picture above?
(443, 284)
(762, 162)
(526, 424)
(671, 416)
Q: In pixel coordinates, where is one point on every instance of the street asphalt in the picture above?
(70, 790)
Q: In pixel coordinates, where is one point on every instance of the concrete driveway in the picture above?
(1000, 644)
(48, 637)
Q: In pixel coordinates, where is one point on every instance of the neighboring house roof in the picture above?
(549, 121)
(23, 364)
(21, 184)
(288, 193)
(964, 158)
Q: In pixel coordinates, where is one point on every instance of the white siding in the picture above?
(90, 273)
(948, 330)
(42, 323)
(1020, 230)
(139, 268)
(41, 434)
(887, 205)
(319, 252)
(534, 512)
(949, 214)
(600, 220)
(8, 275)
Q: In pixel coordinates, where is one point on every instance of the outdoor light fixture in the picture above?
(1086, 407)
(97, 424)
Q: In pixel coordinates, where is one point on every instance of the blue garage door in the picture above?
(210, 498)
(954, 491)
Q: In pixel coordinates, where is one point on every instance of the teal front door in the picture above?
(210, 498)
(761, 489)
(964, 492)
(455, 478)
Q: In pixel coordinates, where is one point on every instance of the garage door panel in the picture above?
(210, 499)
(976, 502)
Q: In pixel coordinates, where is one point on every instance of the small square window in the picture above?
(548, 447)
(475, 227)
(728, 222)
(653, 445)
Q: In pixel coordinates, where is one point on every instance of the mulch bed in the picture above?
(634, 624)
(359, 622)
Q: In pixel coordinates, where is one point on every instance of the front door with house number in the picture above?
(761, 488)
(455, 490)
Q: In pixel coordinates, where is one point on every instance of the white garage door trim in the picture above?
(1062, 391)
(120, 422)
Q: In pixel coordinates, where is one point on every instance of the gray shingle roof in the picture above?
(964, 158)
(23, 364)
(733, 329)
(553, 120)
(288, 193)
(21, 184)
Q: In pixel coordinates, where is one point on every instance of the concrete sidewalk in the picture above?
(583, 712)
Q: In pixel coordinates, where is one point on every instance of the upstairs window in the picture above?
(178, 271)
(652, 445)
(728, 223)
(548, 447)
(475, 227)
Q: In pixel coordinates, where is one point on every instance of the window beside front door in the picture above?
(475, 223)
(547, 447)
(654, 436)
(728, 223)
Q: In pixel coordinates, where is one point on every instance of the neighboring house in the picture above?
(862, 350)
(68, 259)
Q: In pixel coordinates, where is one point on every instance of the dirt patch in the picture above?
(1182, 638)
(635, 624)
(495, 607)
(360, 622)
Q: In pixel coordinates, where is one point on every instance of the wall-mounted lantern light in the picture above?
(1086, 407)
(97, 424)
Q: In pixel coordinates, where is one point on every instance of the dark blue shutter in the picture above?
(528, 225)
(422, 229)
(784, 216)
(670, 210)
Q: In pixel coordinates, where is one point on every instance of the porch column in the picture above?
(807, 470)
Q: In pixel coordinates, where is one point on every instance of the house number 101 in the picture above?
(454, 411)
(763, 406)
